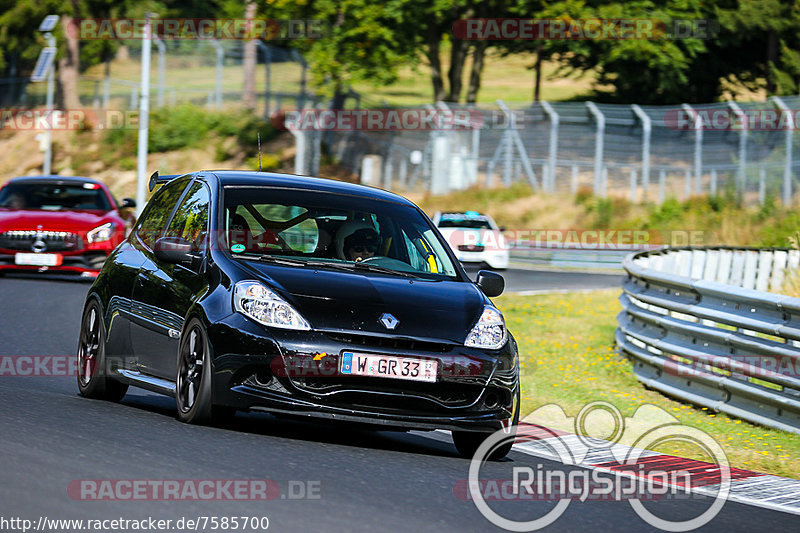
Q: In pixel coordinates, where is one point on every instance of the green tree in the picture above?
(770, 29)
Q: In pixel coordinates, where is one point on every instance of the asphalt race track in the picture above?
(360, 480)
(525, 280)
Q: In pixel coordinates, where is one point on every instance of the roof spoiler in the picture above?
(155, 179)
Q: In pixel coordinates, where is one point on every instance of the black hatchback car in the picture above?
(299, 296)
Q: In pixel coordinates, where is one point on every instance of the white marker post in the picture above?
(144, 112)
(45, 66)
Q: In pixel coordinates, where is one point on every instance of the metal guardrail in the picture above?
(698, 325)
(564, 257)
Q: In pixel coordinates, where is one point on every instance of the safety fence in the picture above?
(640, 152)
(742, 148)
(701, 326)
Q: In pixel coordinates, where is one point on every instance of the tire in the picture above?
(193, 386)
(93, 381)
(468, 442)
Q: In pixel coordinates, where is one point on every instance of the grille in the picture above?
(54, 241)
(399, 394)
(390, 342)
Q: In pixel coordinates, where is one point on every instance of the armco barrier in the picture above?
(699, 325)
(556, 257)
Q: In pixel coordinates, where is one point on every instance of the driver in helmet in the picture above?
(361, 244)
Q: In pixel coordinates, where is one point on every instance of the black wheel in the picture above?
(468, 442)
(93, 381)
(194, 396)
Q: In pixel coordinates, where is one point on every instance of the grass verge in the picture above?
(567, 357)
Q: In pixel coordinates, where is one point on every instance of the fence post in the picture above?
(404, 171)
(600, 119)
(687, 191)
(662, 185)
(107, 85)
(787, 165)
(550, 183)
(713, 181)
(301, 98)
(508, 152)
(476, 153)
(96, 99)
(440, 156)
(267, 89)
(633, 185)
(604, 182)
(698, 146)
(513, 139)
(762, 185)
(162, 49)
(742, 172)
(316, 153)
(647, 129)
(574, 179)
(220, 58)
(545, 177)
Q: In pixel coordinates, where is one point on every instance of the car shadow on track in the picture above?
(316, 430)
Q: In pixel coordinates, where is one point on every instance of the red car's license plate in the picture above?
(49, 260)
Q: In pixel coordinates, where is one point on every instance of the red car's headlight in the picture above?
(101, 233)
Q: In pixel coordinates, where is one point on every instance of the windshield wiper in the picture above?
(272, 259)
(367, 267)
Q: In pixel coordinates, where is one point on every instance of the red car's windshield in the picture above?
(54, 196)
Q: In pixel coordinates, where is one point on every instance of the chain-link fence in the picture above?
(203, 72)
(653, 152)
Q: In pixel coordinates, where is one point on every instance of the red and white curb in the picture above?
(746, 486)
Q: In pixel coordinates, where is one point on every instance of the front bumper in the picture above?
(286, 372)
(87, 264)
(495, 259)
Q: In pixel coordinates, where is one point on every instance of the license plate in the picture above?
(48, 260)
(388, 366)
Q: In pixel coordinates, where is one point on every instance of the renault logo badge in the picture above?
(388, 321)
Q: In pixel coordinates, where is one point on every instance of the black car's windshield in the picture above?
(332, 230)
(54, 196)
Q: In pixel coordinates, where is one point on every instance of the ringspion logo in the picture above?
(631, 476)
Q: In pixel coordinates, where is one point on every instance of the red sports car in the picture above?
(60, 224)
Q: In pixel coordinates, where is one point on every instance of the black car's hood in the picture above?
(344, 301)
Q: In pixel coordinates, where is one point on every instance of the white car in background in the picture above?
(475, 238)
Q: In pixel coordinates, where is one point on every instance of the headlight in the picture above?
(489, 332)
(255, 301)
(101, 233)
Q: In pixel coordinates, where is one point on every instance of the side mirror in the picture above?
(128, 203)
(173, 250)
(491, 283)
